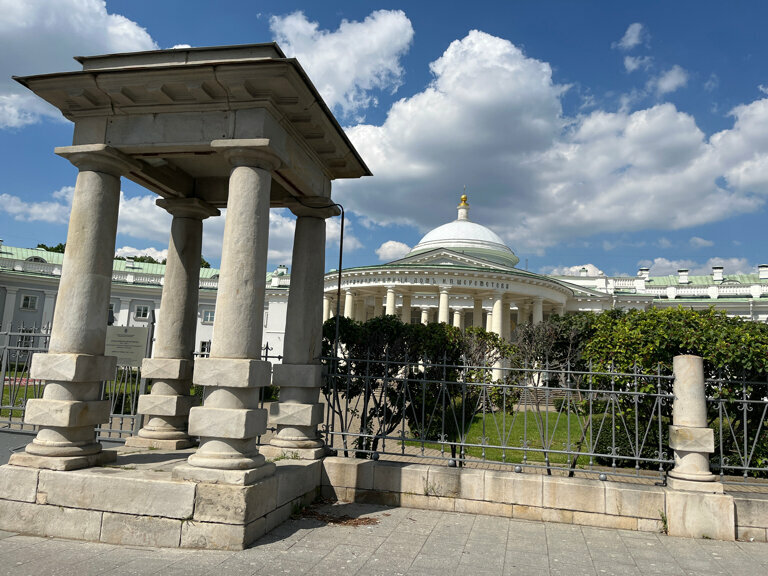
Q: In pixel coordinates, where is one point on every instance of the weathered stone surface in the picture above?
(72, 367)
(227, 422)
(154, 444)
(751, 510)
(440, 503)
(278, 516)
(284, 414)
(561, 516)
(527, 512)
(18, 483)
(271, 452)
(297, 375)
(231, 372)
(231, 504)
(170, 368)
(456, 482)
(692, 439)
(108, 490)
(66, 413)
(214, 536)
(749, 534)
(130, 530)
(62, 462)
(706, 484)
(573, 494)
(525, 489)
(478, 507)
(348, 472)
(53, 521)
(160, 405)
(605, 521)
(633, 500)
(404, 478)
(218, 476)
(647, 525)
(295, 479)
(700, 515)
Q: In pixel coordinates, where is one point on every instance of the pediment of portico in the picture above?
(447, 258)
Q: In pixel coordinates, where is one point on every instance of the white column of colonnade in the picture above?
(391, 301)
(424, 315)
(170, 369)
(349, 304)
(405, 312)
(477, 313)
(230, 420)
(75, 364)
(298, 410)
(537, 314)
(443, 309)
(458, 318)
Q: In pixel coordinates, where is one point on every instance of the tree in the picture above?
(58, 248)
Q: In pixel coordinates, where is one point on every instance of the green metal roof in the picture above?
(671, 280)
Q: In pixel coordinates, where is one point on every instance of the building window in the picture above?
(142, 312)
(205, 348)
(28, 302)
(208, 316)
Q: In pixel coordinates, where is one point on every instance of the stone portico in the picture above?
(237, 128)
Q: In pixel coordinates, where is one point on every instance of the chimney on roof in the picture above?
(129, 261)
(682, 276)
(762, 272)
(583, 271)
(717, 273)
(644, 273)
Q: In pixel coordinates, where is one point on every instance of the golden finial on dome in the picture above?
(463, 200)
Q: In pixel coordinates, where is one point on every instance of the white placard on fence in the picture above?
(129, 344)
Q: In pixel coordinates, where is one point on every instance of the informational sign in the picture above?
(129, 344)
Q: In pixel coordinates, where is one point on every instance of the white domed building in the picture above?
(463, 273)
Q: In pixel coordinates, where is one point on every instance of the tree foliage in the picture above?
(58, 248)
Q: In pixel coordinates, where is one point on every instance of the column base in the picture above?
(156, 444)
(708, 485)
(219, 476)
(62, 462)
(273, 452)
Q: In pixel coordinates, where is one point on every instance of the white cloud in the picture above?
(669, 81)
(180, 46)
(663, 243)
(127, 251)
(52, 212)
(664, 266)
(712, 82)
(39, 36)
(592, 270)
(392, 250)
(635, 35)
(350, 64)
(763, 88)
(632, 63)
(697, 242)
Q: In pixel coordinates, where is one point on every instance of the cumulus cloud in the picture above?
(669, 81)
(664, 266)
(632, 63)
(128, 251)
(55, 211)
(592, 270)
(392, 250)
(697, 242)
(38, 36)
(635, 35)
(351, 64)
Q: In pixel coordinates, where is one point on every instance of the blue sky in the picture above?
(616, 134)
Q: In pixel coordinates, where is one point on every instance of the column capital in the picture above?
(445, 289)
(99, 158)
(255, 152)
(188, 208)
(313, 207)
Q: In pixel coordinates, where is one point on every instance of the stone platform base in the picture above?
(152, 444)
(137, 502)
(103, 458)
(276, 453)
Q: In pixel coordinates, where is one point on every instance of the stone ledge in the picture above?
(62, 463)
(284, 414)
(161, 405)
(690, 439)
(170, 368)
(227, 422)
(72, 367)
(66, 413)
(232, 372)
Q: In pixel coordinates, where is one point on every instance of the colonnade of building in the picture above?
(229, 421)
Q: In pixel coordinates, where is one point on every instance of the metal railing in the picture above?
(537, 417)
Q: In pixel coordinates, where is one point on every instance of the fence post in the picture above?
(696, 506)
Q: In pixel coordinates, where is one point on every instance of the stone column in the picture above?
(405, 312)
(299, 377)
(458, 318)
(378, 306)
(498, 328)
(326, 308)
(506, 321)
(361, 310)
(696, 505)
(48, 308)
(477, 313)
(391, 301)
(537, 315)
(560, 310)
(75, 365)
(489, 321)
(229, 420)
(424, 315)
(10, 307)
(349, 304)
(170, 369)
(443, 311)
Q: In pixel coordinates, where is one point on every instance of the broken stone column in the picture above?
(230, 420)
(299, 411)
(170, 369)
(75, 365)
(696, 504)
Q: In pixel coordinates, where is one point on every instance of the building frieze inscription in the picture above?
(426, 281)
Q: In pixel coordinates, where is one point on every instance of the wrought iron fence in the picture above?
(738, 411)
(539, 417)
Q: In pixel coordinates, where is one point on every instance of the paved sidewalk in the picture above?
(375, 540)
